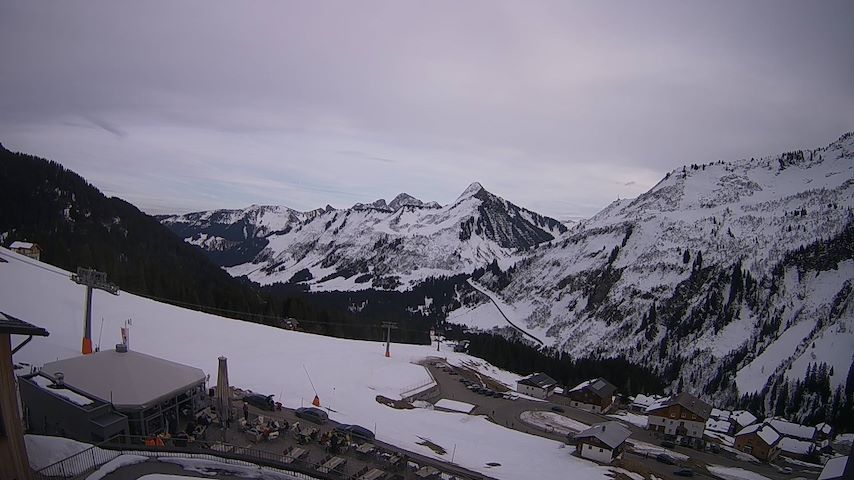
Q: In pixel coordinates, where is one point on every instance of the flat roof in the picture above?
(130, 380)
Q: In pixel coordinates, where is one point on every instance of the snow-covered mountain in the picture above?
(721, 276)
(378, 245)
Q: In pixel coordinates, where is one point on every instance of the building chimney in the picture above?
(121, 348)
(59, 379)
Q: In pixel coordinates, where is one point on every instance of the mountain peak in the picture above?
(471, 190)
(403, 200)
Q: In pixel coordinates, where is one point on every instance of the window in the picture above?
(601, 451)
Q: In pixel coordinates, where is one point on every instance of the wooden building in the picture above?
(14, 464)
(681, 417)
(602, 442)
(28, 249)
(760, 440)
(596, 395)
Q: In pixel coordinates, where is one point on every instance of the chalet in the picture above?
(28, 249)
(596, 395)
(14, 463)
(727, 422)
(602, 442)
(760, 440)
(538, 385)
(792, 430)
(681, 416)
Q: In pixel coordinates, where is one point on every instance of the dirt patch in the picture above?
(398, 404)
(432, 446)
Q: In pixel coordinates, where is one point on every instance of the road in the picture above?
(507, 413)
(489, 295)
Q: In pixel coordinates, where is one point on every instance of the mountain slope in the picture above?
(379, 245)
(77, 226)
(705, 276)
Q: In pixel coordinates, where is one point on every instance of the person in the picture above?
(246, 411)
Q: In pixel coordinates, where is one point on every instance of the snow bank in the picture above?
(455, 405)
(43, 450)
(553, 422)
(731, 473)
(115, 464)
(633, 418)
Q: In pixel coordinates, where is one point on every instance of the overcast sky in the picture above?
(560, 107)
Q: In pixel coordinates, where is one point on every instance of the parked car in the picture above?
(684, 472)
(356, 431)
(557, 409)
(665, 459)
(312, 414)
(668, 444)
(264, 402)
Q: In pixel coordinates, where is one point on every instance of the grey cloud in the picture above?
(577, 99)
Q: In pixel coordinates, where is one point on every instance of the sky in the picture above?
(560, 107)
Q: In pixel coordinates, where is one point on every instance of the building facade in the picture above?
(28, 249)
(52, 408)
(596, 395)
(538, 385)
(759, 440)
(681, 417)
(602, 442)
(14, 464)
(153, 395)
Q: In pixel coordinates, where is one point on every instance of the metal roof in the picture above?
(609, 433)
(539, 380)
(12, 325)
(130, 380)
(686, 400)
(599, 386)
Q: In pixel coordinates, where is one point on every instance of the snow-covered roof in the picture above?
(598, 386)
(610, 433)
(790, 429)
(743, 418)
(19, 244)
(824, 428)
(720, 414)
(48, 385)
(540, 380)
(716, 425)
(834, 468)
(126, 379)
(764, 431)
(641, 400)
(686, 400)
(792, 445)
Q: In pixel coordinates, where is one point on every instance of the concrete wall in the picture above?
(14, 464)
(49, 414)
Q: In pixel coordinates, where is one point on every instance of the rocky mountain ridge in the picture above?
(379, 245)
